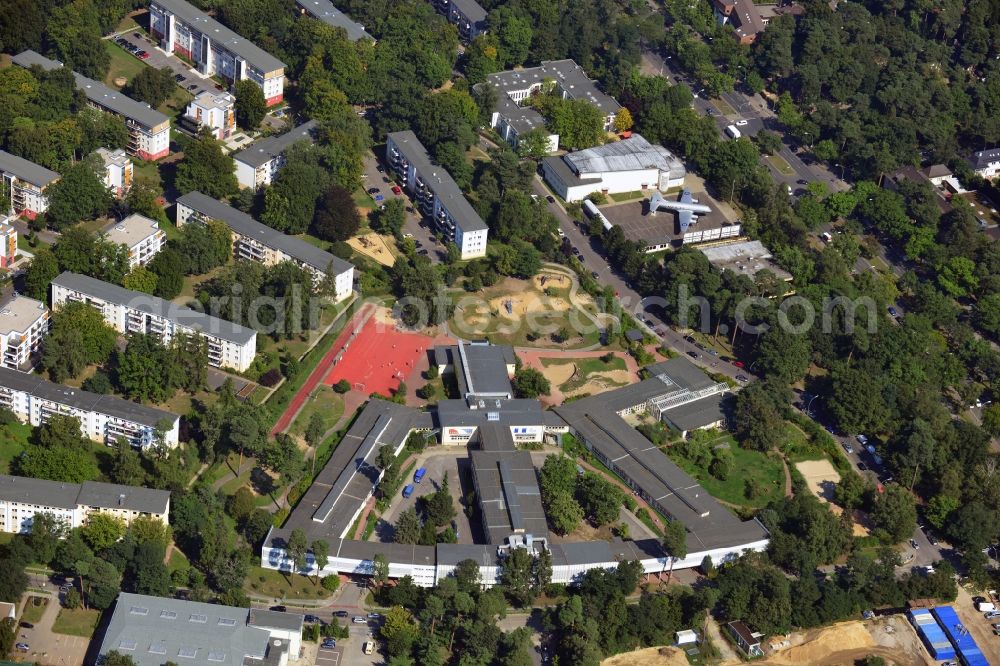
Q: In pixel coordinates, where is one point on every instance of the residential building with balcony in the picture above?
(512, 118)
(141, 235)
(229, 345)
(258, 242)
(259, 163)
(986, 163)
(118, 170)
(23, 323)
(24, 183)
(323, 10)
(8, 243)
(184, 29)
(466, 15)
(73, 504)
(215, 111)
(148, 129)
(436, 194)
(103, 418)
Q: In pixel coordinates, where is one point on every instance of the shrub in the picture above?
(271, 377)
(343, 386)
(331, 583)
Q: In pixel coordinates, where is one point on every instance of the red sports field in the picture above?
(379, 358)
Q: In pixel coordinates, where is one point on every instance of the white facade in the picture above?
(986, 163)
(118, 170)
(141, 235)
(23, 323)
(215, 111)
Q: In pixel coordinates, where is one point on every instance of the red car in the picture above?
(142, 55)
(738, 364)
(396, 190)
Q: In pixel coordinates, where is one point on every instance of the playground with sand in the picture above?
(586, 375)
(374, 247)
(821, 478)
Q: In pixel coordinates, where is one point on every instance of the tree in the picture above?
(530, 383)
(515, 577)
(116, 658)
(315, 429)
(407, 529)
(321, 555)
(40, 272)
(623, 120)
(144, 369)
(8, 634)
(241, 504)
(331, 583)
(168, 266)
(295, 549)
(380, 570)
(563, 512)
(337, 217)
(79, 194)
(251, 106)
(206, 168)
(600, 499)
(152, 86)
(398, 631)
(141, 279)
(894, 514)
(534, 144)
(102, 531)
(46, 531)
(58, 452)
(390, 219)
(675, 543)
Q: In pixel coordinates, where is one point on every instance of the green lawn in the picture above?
(766, 470)
(324, 401)
(779, 163)
(13, 439)
(34, 608)
(797, 446)
(627, 196)
(178, 560)
(123, 64)
(283, 586)
(77, 622)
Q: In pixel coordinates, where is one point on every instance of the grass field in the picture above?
(77, 622)
(34, 608)
(324, 401)
(287, 587)
(13, 439)
(627, 196)
(123, 64)
(797, 446)
(779, 163)
(765, 470)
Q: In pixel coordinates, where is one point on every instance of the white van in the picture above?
(733, 132)
(985, 606)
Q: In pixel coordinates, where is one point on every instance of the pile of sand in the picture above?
(374, 247)
(560, 373)
(822, 644)
(654, 656)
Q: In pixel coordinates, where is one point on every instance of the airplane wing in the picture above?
(686, 197)
(684, 219)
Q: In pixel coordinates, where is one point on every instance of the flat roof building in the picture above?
(323, 10)
(214, 111)
(213, 48)
(24, 183)
(259, 163)
(510, 501)
(744, 257)
(229, 345)
(258, 242)
(23, 323)
(148, 129)
(437, 194)
(103, 418)
(141, 235)
(118, 170)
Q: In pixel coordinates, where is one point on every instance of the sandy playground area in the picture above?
(654, 656)
(545, 280)
(820, 476)
(374, 247)
(571, 380)
(891, 638)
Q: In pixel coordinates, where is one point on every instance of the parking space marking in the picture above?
(326, 655)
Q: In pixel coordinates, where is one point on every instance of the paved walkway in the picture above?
(48, 647)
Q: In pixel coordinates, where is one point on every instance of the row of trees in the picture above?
(568, 496)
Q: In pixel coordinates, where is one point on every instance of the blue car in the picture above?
(408, 490)
(893, 312)
(329, 643)
(379, 198)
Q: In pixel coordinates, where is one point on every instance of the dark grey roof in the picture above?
(471, 10)
(198, 321)
(268, 619)
(517, 412)
(80, 399)
(565, 174)
(439, 181)
(508, 495)
(262, 151)
(553, 420)
(116, 496)
(153, 630)
(245, 225)
(241, 46)
(327, 13)
(983, 158)
(682, 372)
(698, 414)
(495, 437)
(26, 170)
(98, 93)
(481, 369)
(25, 490)
(450, 554)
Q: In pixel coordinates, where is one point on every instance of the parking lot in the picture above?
(193, 82)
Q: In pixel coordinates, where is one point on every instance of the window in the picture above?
(187, 652)
(199, 618)
(216, 656)
(168, 614)
(158, 648)
(126, 644)
(227, 622)
(139, 610)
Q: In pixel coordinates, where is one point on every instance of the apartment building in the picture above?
(466, 15)
(8, 243)
(229, 345)
(118, 170)
(511, 118)
(323, 10)
(148, 129)
(214, 48)
(215, 111)
(986, 163)
(23, 323)
(437, 194)
(103, 418)
(258, 242)
(141, 235)
(259, 163)
(24, 183)
(73, 503)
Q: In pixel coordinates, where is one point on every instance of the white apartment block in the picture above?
(8, 243)
(23, 323)
(467, 15)
(103, 418)
(259, 163)
(23, 182)
(118, 171)
(72, 504)
(229, 345)
(141, 235)
(437, 194)
(214, 48)
(215, 111)
(148, 129)
(258, 242)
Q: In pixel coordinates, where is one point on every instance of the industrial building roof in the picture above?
(631, 154)
(19, 313)
(747, 257)
(192, 319)
(263, 151)
(98, 93)
(245, 225)
(80, 399)
(26, 170)
(566, 174)
(508, 494)
(241, 46)
(117, 496)
(482, 369)
(439, 181)
(132, 230)
(327, 13)
(153, 630)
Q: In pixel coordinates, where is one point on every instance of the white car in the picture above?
(742, 123)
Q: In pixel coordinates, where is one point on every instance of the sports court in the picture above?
(378, 357)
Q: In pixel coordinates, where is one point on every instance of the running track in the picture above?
(321, 370)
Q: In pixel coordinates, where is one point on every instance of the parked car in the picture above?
(328, 644)
(396, 190)
(178, 77)
(142, 55)
(369, 647)
(862, 440)
(848, 447)
(694, 354)
(742, 123)
(311, 619)
(742, 378)
(914, 545)
(359, 619)
(893, 312)
(373, 190)
(992, 614)
(22, 647)
(862, 466)
(27, 625)
(279, 609)
(689, 338)
(738, 364)
(408, 490)
(341, 613)
(193, 86)
(374, 616)
(550, 198)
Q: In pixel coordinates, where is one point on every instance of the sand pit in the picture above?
(844, 643)
(515, 306)
(820, 476)
(559, 374)
(599, 382)
(654, 656)
(550, 281)
(374, 247)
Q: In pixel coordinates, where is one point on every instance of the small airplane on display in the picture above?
(687, 208)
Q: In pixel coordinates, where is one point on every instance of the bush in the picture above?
(270, 378)
(343, 386)
(72, 599)
(331, 583)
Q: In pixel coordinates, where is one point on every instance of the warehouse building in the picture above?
(24, 184)
(229, 345)
(258, 242)
(23, 323)
(103, 418)
(323, 10)
(259, 163)
(140, 235)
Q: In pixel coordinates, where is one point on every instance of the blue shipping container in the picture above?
(931, 634)
(965, 645)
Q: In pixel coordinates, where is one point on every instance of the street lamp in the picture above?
(809, 410)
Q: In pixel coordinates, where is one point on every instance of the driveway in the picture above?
(193, 82)
(48, 647)
(415, 224)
